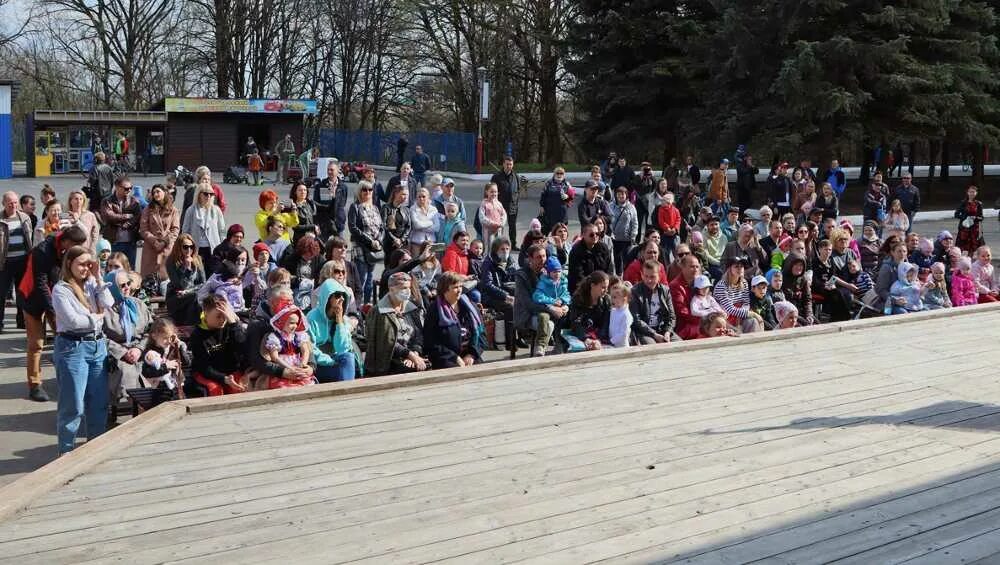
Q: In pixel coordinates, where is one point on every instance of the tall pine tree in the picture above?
(635, 81)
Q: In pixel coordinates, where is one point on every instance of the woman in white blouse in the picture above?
(79, 300)
(424, 221)
(205, 222)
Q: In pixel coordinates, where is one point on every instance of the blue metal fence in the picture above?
(452, 151)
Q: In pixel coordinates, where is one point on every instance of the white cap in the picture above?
(759, 279)
(701, 281)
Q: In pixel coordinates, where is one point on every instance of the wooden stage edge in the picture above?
(19, 494)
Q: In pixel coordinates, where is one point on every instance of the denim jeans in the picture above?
(342, 369)
(128, 249)
(366, 273)
(83, 389)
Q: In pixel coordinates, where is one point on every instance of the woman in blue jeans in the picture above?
(79, 300)
(330, 332)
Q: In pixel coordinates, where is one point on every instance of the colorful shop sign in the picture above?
(252, 105)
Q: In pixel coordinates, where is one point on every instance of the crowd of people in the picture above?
(404, 277)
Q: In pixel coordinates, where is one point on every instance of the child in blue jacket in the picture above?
(553, 289)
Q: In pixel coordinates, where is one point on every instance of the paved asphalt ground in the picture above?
(27, 429)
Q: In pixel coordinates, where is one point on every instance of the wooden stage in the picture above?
(870, 442)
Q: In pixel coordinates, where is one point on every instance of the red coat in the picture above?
(688, 325)
(668, 217)
(633, 273)
(455, 260)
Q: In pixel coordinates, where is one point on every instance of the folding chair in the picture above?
(865, 304)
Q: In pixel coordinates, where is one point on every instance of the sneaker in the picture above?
(539, 353)
(38, 394)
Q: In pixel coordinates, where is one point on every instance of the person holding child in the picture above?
(288, 346)
(164, 361)
(590, 311)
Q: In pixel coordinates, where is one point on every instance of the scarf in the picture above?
(448, 316)
(128, 309)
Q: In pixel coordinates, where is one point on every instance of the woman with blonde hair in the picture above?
(159, 227)
(191, 191)
(79, 212)
(80, 348)
(425, 221)
(204, 221)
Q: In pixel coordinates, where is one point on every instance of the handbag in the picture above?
(372, 256)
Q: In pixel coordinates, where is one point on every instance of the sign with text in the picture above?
(245, 105)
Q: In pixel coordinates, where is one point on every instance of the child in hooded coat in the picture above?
(936, 289)
(906, 287)
(963, 288)
(288, 345)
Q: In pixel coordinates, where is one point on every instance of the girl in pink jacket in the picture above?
(963, 289)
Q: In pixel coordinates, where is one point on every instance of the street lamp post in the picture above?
(484, 114)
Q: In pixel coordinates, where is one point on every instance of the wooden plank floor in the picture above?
(877, 445)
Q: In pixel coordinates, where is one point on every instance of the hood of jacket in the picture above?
(786, 269)
(904, 269)
(319, 323)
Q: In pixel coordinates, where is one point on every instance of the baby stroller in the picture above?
(235, 175)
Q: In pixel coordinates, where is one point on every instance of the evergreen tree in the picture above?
(635, 80)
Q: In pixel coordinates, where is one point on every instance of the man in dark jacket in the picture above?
(120, 214)
(592, 205)
(782, 190)
(401, 144)
(421, 163)
(746, 181)
(16, 241)
(100, 181)
(34, 298)
(652, 307)
(405, 177)
(909, 197)
(588, 255)
(531, 315)
(331, 196)
(509, 188)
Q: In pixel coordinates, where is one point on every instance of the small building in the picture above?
(175, 131)
(8, 89)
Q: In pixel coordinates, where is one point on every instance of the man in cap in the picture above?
(592, 205)
(448, 195)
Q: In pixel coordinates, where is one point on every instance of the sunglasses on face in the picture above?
(366, 190)
(339, 272)
(187, 247)
(683, 254)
